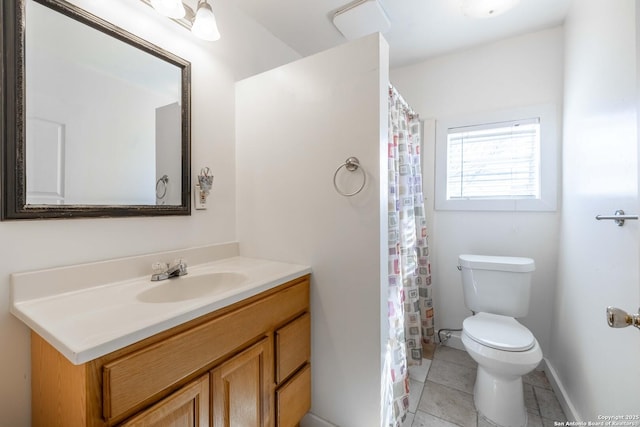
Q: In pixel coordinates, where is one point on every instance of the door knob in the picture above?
(617, 318)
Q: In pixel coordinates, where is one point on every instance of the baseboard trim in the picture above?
(311, 420)
(561, 392)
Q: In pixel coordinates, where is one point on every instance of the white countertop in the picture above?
(85, 323)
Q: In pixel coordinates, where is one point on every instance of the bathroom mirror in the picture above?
(95, 120)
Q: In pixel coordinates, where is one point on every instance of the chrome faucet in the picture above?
(164, 271)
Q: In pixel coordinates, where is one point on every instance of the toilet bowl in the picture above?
(497, 289)
(505, 350)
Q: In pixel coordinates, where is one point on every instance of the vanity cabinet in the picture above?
(247, 365)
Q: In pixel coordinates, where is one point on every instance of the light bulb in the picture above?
(204, 24)
(170, 8)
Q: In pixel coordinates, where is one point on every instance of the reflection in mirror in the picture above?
(96, 124)
(105, 119)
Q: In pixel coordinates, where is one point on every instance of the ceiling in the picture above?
(419, 28)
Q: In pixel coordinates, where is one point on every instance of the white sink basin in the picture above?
(191, 286)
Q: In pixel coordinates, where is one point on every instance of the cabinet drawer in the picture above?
(293, 346)
(138, 377)
(293, 399)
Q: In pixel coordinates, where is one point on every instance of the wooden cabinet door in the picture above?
(242, 388)
(187, 407)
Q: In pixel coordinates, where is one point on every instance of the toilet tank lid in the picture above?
(499, 263)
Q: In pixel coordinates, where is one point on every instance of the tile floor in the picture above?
(442, 394)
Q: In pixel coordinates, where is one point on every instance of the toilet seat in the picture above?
(499, 332)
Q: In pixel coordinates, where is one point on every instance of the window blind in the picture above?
(494, 160)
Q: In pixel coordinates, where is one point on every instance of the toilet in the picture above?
(496, 289)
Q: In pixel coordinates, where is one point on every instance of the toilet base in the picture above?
(500, 399)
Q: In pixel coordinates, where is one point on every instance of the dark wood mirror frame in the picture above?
(12, 119)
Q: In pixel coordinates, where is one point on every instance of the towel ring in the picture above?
(352, 164)
(164, 180)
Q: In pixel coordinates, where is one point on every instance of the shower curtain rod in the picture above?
(393, 92)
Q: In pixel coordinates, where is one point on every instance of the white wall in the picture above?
(515, 72)
(27, 245)
(597, 367)
(295, 125)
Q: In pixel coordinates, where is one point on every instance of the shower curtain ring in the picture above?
(352, 164)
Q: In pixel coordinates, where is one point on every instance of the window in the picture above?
(498, 161)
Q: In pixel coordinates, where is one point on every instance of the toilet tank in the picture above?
(496, 284)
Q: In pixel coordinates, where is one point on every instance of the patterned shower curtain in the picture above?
(410, 303)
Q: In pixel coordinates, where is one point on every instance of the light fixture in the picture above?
(486, 8)
(204, 24)
(201, 23)
(171, 8)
